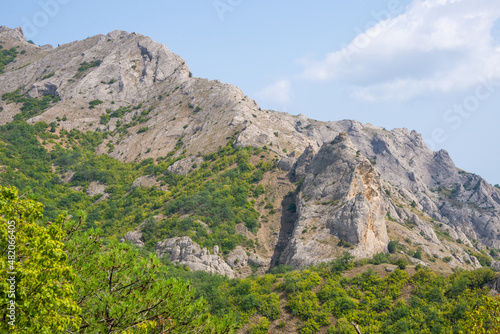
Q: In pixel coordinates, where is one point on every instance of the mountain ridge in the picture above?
(387, 185)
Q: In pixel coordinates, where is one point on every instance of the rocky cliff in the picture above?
(355, 186)
(186, 252)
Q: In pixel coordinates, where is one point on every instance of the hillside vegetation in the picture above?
(220, 193)
(90, 285)
(121, 174)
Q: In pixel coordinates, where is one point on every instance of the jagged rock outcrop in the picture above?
(237, 258)
(341, 198)
(149, 181)
(184, 251)
(134, 237)
(184, 166)
(96, 188)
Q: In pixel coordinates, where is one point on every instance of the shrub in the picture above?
(6, 57)
(85, 66)
(380, 258)
(303, 304)
(104, 119)
(343, 263)
(143, 129)
(342, 327)
(484, 260)
(309, 327)
(345, 244)
(401, 263)
(261, 327)
(418, 254)
(270, 306)
(94, 103)
(51, 74)
(281, 269)
(392, 246)
(269, 206)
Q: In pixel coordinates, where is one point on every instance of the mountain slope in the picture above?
(340, 185)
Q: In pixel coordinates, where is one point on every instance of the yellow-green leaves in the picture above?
(42, 278)
(485, 318)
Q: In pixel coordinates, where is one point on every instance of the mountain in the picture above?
(338, 186)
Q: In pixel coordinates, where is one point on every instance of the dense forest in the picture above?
(72, 275)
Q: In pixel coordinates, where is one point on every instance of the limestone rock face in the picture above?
(358, 180)
(184, 166)
(341, 198)
(186, 252)
(134, 237)
(149, 181)
(95, 188)
(237, 258)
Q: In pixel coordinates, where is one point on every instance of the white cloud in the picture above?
(279, 92)
(434, 46)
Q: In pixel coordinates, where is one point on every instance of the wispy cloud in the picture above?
(434, 46)
(279, 92)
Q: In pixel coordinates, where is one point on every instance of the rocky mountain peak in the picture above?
(16, 33)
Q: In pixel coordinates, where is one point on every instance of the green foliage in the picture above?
(143, 129)
(94, 103)
(270, 306)
(37, 266)
(104, 119)
(281, 269)
(85, 65)
(261, 327)
(6, 57)
(303, 304)
(309, 327)
(119, 290)
(343, 263)
(31, 106)
(301, 280)
(484, 260)
(484, 318)
(50, 75)
(418, 254)
(216, 194)
(342, 327)
(345, 244)
(392, 246)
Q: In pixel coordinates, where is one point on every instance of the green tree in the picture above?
(43, 278)
(120, 291)
(485, 318)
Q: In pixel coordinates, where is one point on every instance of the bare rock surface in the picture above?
(184, 251)
(134, 237)
(96, 188)
(149, 181)
(184, 166)
(341, 198)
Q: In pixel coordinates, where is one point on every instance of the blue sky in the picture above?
(432, 66)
